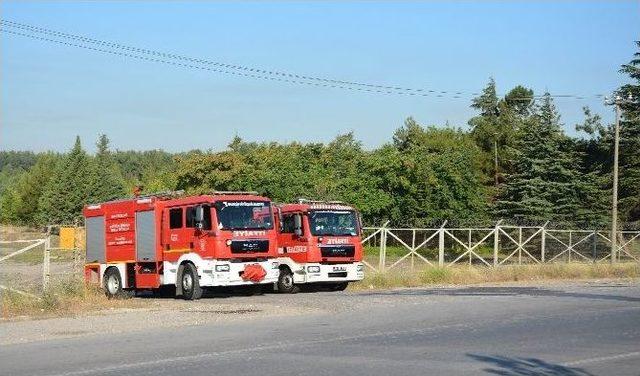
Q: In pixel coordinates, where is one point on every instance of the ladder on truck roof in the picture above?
(306, 201)
(161, 195)
(234, 193)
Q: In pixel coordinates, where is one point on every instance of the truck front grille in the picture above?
(249, 246)
(338, 251)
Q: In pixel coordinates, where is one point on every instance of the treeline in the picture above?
(514, 162)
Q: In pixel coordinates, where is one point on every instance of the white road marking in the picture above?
(603, 359)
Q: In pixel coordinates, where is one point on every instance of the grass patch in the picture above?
(36, 256)
(68, 297)
(466, 275)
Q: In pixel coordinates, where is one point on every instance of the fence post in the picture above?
(570, 245)
(496, 243)
(413, 247)
(520, 245)
(594, 245)
(469, 245)
(543, 243)
(383, 248)
(46, 259)
(441, 245)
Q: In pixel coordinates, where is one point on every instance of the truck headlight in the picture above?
(229, 242)
(222, 268)
(313, 269)
(360, 267)
(275, 265)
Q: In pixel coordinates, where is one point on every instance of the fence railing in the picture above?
(30, 244)
(389, 248)
(26, 264)
(386, 249)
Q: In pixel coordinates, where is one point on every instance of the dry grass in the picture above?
(70, 297)
(467, 275)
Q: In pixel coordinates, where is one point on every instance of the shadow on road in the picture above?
(502, 291)
(502, 365)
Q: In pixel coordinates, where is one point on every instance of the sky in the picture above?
(50, 93)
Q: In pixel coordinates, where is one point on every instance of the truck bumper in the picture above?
(209, 275)
(325, 273)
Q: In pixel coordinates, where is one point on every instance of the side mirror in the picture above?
(297, 224)
(199, 216)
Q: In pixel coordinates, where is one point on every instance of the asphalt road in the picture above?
(588, 329)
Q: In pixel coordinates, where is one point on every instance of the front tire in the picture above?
(190, 283)
(285, 282)
(113, 283)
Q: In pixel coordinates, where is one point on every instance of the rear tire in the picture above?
(112, 283)
(285, 282)
(340, 286)
(190, 283)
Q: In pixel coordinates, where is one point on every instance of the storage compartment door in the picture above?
(145, 236)
(95, 238)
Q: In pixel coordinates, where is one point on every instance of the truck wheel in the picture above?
(190, 283)
(113, 283)
(285, 282)
(340, 286)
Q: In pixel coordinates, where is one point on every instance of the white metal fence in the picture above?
(388, 248)
(29, 266)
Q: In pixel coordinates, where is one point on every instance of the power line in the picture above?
(196, 66)
(238, 70)
(383, 88)
(196, 60)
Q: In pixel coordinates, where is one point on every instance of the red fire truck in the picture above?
(187, 243)
(318, 242)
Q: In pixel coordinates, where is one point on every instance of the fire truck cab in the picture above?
(318, 242)
(187, 243)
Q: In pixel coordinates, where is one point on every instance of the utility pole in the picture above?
(614, 207)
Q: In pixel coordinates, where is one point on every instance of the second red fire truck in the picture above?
(319, 243)
(181, 243)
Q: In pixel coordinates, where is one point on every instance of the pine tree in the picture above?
(629, 187)
(29, 188)
(487, 102)
(544, 181)
(106, 181)
(68, 189)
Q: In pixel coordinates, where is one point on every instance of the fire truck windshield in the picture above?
(333, 222)
(243, 215)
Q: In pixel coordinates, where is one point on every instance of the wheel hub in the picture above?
(287, 280)
(187, 282)
(112, 285)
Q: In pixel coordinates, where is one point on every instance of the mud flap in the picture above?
(179, 280)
